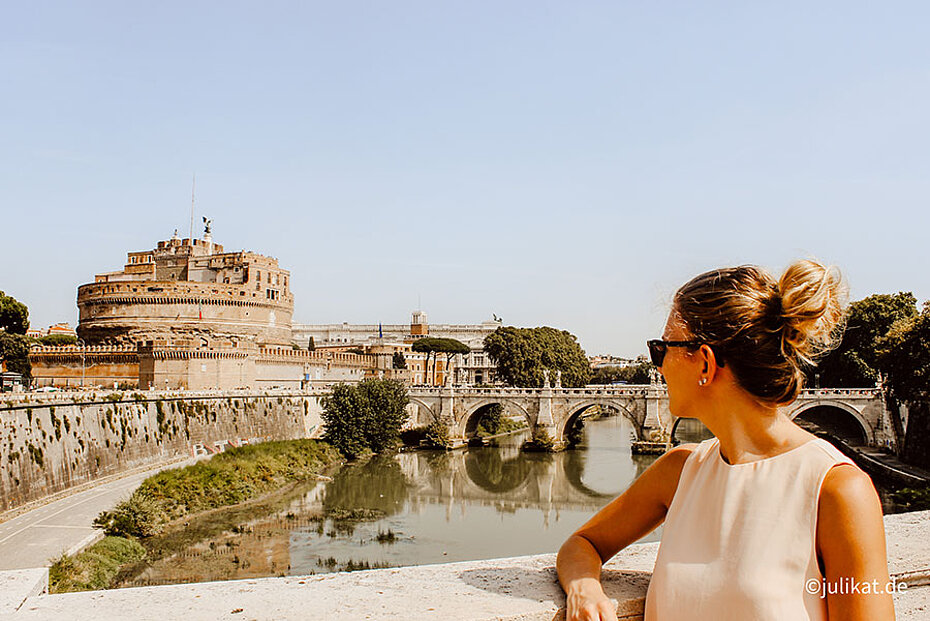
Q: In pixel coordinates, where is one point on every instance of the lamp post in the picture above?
(83, 348)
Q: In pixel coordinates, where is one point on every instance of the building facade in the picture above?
(189, 290)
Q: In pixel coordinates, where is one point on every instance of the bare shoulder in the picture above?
(849, 517)
(847, 490)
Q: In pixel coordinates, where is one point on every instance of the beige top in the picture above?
(739, 540)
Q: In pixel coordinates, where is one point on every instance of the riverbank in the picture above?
(168, 502)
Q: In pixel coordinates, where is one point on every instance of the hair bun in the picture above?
(812, 299)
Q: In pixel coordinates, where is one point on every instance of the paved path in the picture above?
(37, 537)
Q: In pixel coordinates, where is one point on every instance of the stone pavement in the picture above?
(511, 589)
(36, 537)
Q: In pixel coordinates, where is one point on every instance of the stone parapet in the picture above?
(508, 589)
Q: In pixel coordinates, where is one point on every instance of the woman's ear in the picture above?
(709, 366)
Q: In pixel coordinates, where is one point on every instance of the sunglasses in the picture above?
(659, 347)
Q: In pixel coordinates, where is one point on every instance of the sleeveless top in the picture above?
(739, 541)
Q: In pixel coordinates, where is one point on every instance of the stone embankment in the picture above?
(61, 441)
(523, 588)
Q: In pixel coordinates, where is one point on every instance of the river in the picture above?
(416, 508)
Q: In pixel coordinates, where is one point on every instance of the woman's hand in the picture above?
(586, 601)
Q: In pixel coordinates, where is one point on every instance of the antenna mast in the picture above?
(193, 186)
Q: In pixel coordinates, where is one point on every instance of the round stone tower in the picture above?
(192, 293)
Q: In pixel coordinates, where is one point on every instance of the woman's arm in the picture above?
(634, 514)
(851, 544)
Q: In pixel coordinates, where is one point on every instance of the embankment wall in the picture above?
(51, 444)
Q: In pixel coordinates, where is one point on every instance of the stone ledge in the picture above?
(510, 589)
(17, 585)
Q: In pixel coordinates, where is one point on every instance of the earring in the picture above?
(703, 381)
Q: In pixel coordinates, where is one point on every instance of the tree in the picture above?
(854, 363)
(365, 417)
(14, 350)
(311, 346)
(57, 340)
(523, 354)
(637, 373)
(432, 346)
(14, 316)
(903, 357)
(398, 361)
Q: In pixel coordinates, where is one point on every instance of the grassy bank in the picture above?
(234, 476)
(94, 568)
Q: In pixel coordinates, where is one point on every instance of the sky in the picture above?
(555, 163)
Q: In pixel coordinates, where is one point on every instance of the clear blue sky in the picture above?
(556, 163)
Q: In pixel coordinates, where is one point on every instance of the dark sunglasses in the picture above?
(658, 348)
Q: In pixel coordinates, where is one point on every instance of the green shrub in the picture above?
(365, 417)
(413, 436)
(137, 516)
(437, 435)
(912, 499)
(113, 397)
(541, 441)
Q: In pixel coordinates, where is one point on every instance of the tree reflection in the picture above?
(487, 469)
(378, 484)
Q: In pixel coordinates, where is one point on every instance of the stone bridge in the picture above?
(858, 415)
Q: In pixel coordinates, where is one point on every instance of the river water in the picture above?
(428, 507)
(416, 508)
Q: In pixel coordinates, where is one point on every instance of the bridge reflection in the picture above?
(504, 477)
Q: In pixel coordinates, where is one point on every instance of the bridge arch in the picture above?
(468, 424)
(577, 409)
(423, 405)
(851, 428)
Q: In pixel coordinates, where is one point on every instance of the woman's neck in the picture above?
(749, 429)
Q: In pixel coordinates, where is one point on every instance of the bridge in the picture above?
(859, 416)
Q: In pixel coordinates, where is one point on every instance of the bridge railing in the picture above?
(812, 393)
(634, 390)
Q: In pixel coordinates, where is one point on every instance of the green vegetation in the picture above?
(433, 346)
(398, 361)
(94, 568)
(234, 476)
(541, 442)
(912, 499)
(492, 420)
(114, 397)
(437, 435)
(637, 373)
(886, 336)
(14, 315)
(57, 340)
(365, 417)
(855, 363)
(522, 355)
(14, 349)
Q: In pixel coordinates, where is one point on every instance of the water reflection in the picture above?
(422, 507)
(483, 502)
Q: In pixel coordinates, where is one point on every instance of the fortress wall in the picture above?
(56, 444)
(143, 310)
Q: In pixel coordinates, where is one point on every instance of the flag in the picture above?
(380, 331)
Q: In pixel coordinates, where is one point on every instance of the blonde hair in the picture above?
(767, 331)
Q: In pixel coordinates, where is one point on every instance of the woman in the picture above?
(764, 521)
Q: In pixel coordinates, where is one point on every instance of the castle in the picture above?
(189, 315)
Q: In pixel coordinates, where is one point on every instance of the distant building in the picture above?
(63, 328)
(475, 367)
(190, 290)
